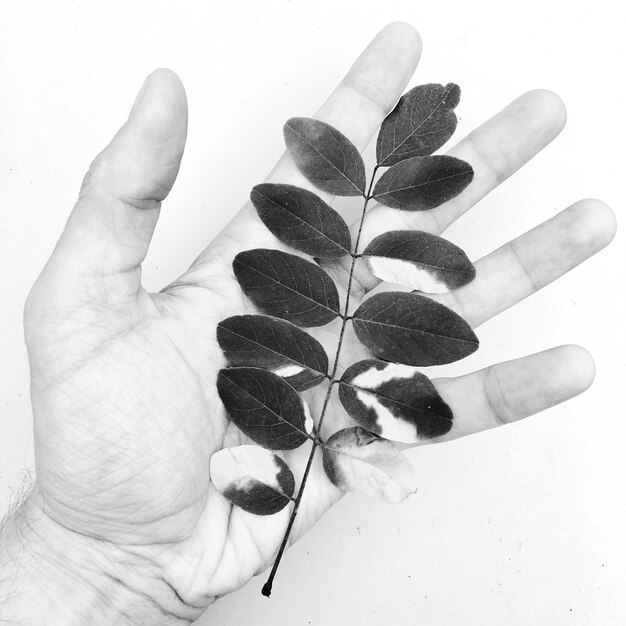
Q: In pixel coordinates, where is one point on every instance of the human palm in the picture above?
(123, 382)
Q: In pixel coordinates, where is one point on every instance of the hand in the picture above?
(123, 381)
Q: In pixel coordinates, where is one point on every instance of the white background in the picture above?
(520, 526)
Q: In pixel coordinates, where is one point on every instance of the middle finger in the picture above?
(495, 150)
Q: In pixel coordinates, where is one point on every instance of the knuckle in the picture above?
(34, 306)
(93, 176)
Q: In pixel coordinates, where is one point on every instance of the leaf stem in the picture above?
(267, 587)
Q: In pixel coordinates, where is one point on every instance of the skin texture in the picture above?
(123, 381)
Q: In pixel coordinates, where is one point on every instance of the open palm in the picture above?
(123, 382)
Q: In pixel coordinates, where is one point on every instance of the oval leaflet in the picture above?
(421, 122)
(413, 330)
(264, 407)
(287, 286)
(423, 183)
(327, 158)
(302, 220)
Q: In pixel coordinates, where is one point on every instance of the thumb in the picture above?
(108, 232)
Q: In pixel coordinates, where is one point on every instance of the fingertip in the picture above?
(169, 86)
(598, 220)
(552, 103)
(547, 378)
(405, 33)
(552, 107)
(143, 159)
(547, 107)
(165, 74)
(373, 84)
(578, 368)
(386, 65)
(161, 105)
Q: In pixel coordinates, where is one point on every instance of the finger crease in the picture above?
(495, 397)
(525, 266)
(371, 92)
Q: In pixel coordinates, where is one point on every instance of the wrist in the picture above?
(52, 575)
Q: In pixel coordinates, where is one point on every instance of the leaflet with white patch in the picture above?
(252, 478)
(391, 426)
(394, 401)
(243, 465)
(357, 461)
(288, 370)
(418, 260)
(405, 273)
(380, 373)
(276, 345)
(308, 420)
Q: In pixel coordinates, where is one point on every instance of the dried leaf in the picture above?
(418, 260)
(412, 329)
(423, 183)
(394, 401)
(422, 121)
(265, 407)
(302, 220)
(253, 479)
(328, 159)
(275, 345)
(287, 286)
(359, 462)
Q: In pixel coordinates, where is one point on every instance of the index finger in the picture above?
(356, 108)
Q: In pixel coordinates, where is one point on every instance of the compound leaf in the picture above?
(418, 260)
(287, 286)
(412, 329)
(253, 479)
(275, 345)
(265, 407)
(423, 183)
(422, 121)
(359, 462)
(394, 401)
(328, 159)
(302, 220)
